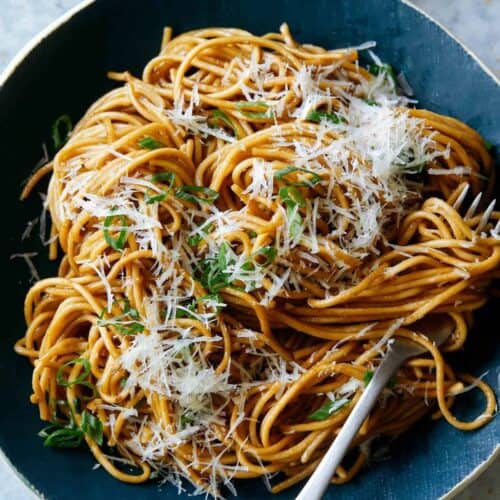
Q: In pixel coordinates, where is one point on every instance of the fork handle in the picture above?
(320, 479)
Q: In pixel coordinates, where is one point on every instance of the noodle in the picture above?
(243, 230)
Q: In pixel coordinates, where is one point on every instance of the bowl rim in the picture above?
(40, 37)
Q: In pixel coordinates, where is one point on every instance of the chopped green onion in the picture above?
(154, 199)
(370, 102)
(150, 143)
(160, 177)
(194, 240)
(247, 107)
(252, 234)
(315, 178)
(367, 377)
(119, 242)
(293, 200)
(187, 193)
(488, 145)
(218, 115)
(317, 116)
(392, 383)
(164, 177)
(212, 272)
(58, 436)
(92, 426)
(186, 312)
(125, 322)
(269, 252)
(61, 130)
(81, 378)
(377, 69)
(123, 382)
(328, 409)
(185, 420)
(415, 169)
(291, 197)
(295, 222)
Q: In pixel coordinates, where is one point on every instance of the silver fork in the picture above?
(471, 211)
(437, 328)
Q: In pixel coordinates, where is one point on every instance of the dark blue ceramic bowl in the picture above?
(65, 71)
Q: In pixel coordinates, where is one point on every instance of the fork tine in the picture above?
(461, 197)
(486, 216)
(473, 207)
(497, 227)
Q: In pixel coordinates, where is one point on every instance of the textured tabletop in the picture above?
(475, 22)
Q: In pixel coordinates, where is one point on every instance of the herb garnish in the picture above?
(61, 130)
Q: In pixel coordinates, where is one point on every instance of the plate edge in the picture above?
(38, 38)
(454, 37)
(473, 475)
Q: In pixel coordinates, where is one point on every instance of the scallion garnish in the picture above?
(268, 252)
(59, 436)
(392, 383)
(119, 242)
(80, 380)
(315, 178)
(247, 108)
(291, 197)
(61, 130)
(212, 272)
(220, 116)
(197, 238)
(126, 322)
(367, 377)
(377, 69)
(370, 102)
(293, 200)
(160, 177)
(317, 116)
(150, 143)
(92, 426)
(191, 193)
(70, 435)
(488, 145)
(328, 409)
(185, 420)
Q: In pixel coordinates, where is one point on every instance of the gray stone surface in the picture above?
(475, 22)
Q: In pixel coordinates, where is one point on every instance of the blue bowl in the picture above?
(65, 71)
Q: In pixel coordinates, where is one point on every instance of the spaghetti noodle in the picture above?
(243, 229)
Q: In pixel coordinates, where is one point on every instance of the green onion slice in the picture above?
(317, 116)
(150, 143)
(57, 436)
(117, 243)
(269, 253)
(315, 178)
(377, 69)
(328, 409)
(168, 177)
(61, 130)
(92, 426)
(220, 116)
(192, 193)
(248, 107)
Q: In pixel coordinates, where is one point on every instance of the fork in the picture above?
(437, 328)
(471, 211)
